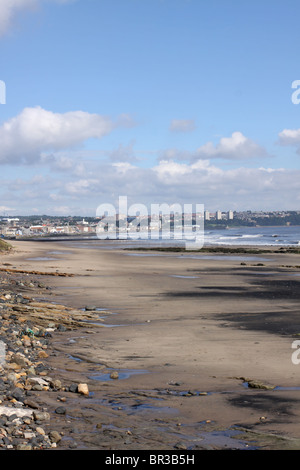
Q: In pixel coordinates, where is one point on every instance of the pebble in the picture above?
(60, 410)
(41, 415)
(24, 423)
(54, 436)
(114, 375)
(83, 389)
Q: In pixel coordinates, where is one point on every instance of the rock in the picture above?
(24, 447)
(62, 328)
(180, 446)
(37, 380)
(60, 410)
(26, 341)
(40, 430)
(114, 375)
(41, 415)
(258, 384)
(42, 355)
(19, 360)
(73, 388)
(54, 437)
(73, 445)
(83, 389)
(11, 376)
(20, 412)
(37, 388)
(18, 394)
(31, 403)
(56, 384)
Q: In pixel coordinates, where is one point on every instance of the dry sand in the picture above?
(191, 331)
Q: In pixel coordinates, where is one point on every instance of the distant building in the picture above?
(206, 215)
(218, 215)
(38, 229)
(230, 215)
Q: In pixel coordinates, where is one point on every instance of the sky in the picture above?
(161, 101)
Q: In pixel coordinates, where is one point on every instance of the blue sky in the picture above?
(177, 101)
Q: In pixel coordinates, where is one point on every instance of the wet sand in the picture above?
(202, 345)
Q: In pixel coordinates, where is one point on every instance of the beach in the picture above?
(200, 344)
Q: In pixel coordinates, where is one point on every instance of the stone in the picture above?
(73, 445)
(20, 412)
(114, 375)
(54, 437)
(41, 415)
(60, 410)
(37, 388)
(253, 383)
(19, 360)
(40, 430)
(31, 403)
(73, 388)
(11, 376)
(24, 447)
(18, 394)
(37, 380)
(56, 384)
(62, 328)
(83, 389)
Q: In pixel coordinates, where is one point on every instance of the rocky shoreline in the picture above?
(27, 327)
(230, 384)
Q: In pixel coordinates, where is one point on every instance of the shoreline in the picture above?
(197, 338)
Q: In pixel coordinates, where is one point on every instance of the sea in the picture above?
(280, 236)
(274, 236)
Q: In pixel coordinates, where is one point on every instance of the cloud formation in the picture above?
(36, 130)
(290, 137)
(236, 147)
(79, 180)
(171, 182)
(182, 125)
(9, 9)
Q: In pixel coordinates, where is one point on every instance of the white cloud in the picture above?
(168, 169)
(123, 167)
(9, 9)
(81, 187)
(182, 125)
(236, 147)
(290, 137)
(200, 182)
(5, 209)
(25, 138)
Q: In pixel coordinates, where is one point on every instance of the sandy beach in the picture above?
(202, 344)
